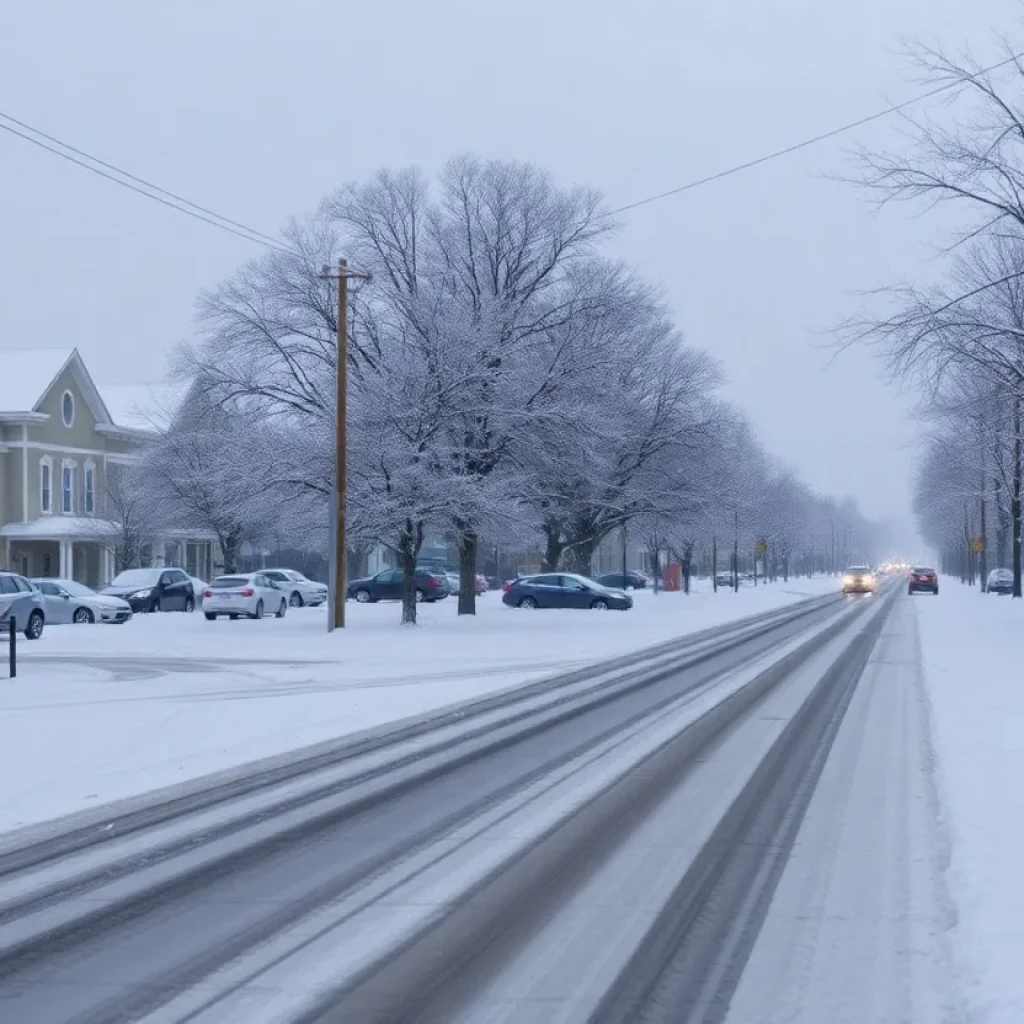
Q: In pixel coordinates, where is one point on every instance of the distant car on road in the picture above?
(153, 590)
(67, 601)
(431, 585)
(20, 601)
(244, 593)
(564, 590)
(630, 580)
(300, 590)
(859, 579)
(1000, 581)
(922, 579)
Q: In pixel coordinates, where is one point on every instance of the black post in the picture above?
(625, 580)
(12, 640)
(714, 563)
(736, 551)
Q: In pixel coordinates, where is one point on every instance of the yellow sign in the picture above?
(978, 545)
(762, 547)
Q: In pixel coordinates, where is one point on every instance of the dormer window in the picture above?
(67, 408)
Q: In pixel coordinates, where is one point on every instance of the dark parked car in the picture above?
(1000, 581)
(153, 590)
(387, 586)
(564, 590)
(20, 600)
(923, 579)
(630, 580)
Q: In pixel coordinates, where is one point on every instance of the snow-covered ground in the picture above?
(973, 653)
(98, 713)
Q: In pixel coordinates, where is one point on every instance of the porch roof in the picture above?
(83, 528)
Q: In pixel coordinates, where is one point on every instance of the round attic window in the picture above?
(67, 408)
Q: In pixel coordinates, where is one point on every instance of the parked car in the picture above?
(454, 584)
(198, 586)
(159, 589)
(482, 586)
(1000, 581)
(630, 580)
(564, 590)
(67, 601)
(923, 578)
(300, 590)
(244, 593)
(431, 585)
(22, 602)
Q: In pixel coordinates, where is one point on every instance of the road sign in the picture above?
(762, 546)
(978, 545)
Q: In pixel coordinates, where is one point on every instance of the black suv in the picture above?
(158, 589)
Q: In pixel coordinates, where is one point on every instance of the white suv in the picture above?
(300, 591)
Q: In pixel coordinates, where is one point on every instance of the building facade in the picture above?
(59, 446)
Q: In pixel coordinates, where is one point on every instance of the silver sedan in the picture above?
(67, 601)
(244, 593)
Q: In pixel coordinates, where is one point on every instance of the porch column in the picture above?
(71, 559)
(7, 553)
(62, 559)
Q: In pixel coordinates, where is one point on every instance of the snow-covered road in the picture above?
(103, 713)
(858, 929)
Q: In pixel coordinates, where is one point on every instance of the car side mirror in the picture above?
(67, 597)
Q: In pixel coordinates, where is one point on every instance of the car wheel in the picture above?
(528, 602)
(190, 605)
(83, 615)
(296, 599)
(232, 616)
(282, 610)
(420, 596)
(258, 614)
(210, 617)
(34, 628)
(362, 597)
(600, 605)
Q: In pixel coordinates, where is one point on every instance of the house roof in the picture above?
(142, 406)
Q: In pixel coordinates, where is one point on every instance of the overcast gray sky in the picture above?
(257, 109)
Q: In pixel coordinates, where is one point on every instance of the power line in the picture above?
(814, 140)
(172, 200)
(177, 202)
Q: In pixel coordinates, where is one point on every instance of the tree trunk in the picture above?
(410, 540)
(553, 548)
(1000, 523)
(467, 572)
(229, 550)
(1015, 499)
(983, 568)
(582, 557)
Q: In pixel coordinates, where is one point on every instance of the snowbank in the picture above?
(98, 713)
(973, 653)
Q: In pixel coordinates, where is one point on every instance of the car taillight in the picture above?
(248, 592)
(207, 592)
(432, 582)
(506, 587)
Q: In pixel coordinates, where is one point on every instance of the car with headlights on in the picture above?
(248, 594)
(157, 589)
(859, 579)
(564, 590)
(67, 601)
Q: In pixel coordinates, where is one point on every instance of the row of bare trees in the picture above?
(509, 383)
(959, 343)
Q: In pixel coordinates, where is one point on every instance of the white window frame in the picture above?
(45, 507)
(68, 423)
(89, 488)
(67, 466)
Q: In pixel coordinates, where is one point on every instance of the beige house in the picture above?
(59, 442)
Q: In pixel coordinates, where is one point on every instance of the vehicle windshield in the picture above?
(855, 569)
(223, 582)
(921, 568)
(77, 589)
(136, 578)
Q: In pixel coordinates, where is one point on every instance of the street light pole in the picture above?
(736, 550)
(336, 593)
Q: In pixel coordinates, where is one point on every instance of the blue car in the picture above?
(564, 590)
(22, 602)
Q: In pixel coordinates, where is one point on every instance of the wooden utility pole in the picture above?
(339, 544)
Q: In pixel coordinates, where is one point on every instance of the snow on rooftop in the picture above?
(26, 373)
(141, 406)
